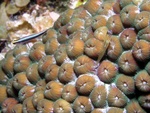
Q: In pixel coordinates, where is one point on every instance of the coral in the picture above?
(53, 90)
(61, 54)
(145, 5)
(97, 110)
(128, 38)
(98, 96)
(17, 108)
(144, 101)
(147, 67)
(66, 73)
(115, 110)
(142, 81)
(106, 8)
(81, 13)
(92, 6)
(32, 73)
(116, 98)
(45, 106)
(3, 77)
(40, 85)
(62, 106)
(144, 34)
(141, 50)
(133, 106)
(114, 24)
(84, 84)
(21, 63)
(75, 24)
(20, 80)
(37, 51)
(82, 104)
(51, 46)
(127, 63)
(3, 93)
(75, 48)
(98, 21)
(93, 47)
(7, 64)
(95, 59)
(69, 92)
(20, 49)
(25, 92)
(107, 71)
(28, 105)
(51, 72)
(44, 62)
(37, 97)
(83, 64)
(142, 20)
(50, 34)
(11, 91)
(8, 104)
(125, 84)
(128, 14)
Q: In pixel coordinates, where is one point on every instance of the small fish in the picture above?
(80, 2)
(106, 44)
(27, 38)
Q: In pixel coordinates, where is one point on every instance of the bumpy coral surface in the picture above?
(96, 59)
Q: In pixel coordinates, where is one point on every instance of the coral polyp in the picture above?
(116, 98)
(107, 71)
(17, 108)
(141, 50)
(85, 84)
(95, 59)
(93, 47)
(45, 106)
(83, 64)
(114, 24)
(125, 83)
(62, 106)
(144, 101)
(75, 48)
(8, 104)
(133, 106)
(128, 14)
(82, 104)
(66, 73)
(127, 63)
(53, 90)
(142, 81)
(69, 93)
(21, 63)
(142, 20)
(127, 38)
(98, 96)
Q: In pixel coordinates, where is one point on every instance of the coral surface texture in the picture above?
(95, 59)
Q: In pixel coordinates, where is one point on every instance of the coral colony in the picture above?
(95, 59)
